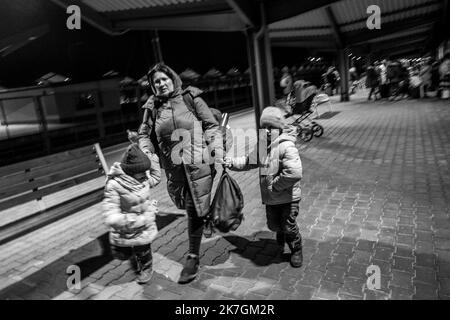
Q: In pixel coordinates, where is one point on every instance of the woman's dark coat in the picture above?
(172, 114)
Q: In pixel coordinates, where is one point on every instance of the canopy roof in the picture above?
(194, 15)
(406, 25)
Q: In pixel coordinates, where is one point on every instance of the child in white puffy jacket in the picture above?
(129, 211)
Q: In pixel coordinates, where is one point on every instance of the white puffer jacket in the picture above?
(127, 207)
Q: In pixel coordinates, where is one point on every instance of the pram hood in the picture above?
(303, 91)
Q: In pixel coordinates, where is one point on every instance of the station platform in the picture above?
(376, 191)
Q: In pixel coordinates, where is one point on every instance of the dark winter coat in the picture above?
(174, 114)
(372, 77)
(394, 72)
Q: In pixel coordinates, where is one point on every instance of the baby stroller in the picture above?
(303, 101)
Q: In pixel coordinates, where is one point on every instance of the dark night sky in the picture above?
(86, 54)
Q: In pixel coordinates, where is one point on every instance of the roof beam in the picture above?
(246, 11)
(385, 15)
(212, 22)
(335, 27)
(176, 10)
(400, 48)
(10, 44)
(303, 44)
(89, 15)
(356, 38)
(404, 52)
(324, 42)
(394, 40)
(279, 10)
(390, 45)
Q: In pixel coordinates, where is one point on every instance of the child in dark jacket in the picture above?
(280, 171)
(129, 211)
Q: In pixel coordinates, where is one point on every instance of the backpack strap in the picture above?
(188, 99)
(150, 113)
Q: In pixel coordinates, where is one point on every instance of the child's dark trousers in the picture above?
(281, 218)
(140, 256)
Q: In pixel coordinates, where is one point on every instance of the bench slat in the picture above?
(47, 160)
(30, 208)
(19, 189)
(48, 190)
(31, 223)
(20, 183)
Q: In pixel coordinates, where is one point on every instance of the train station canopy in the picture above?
(406, 25)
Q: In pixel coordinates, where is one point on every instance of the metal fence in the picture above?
(34, 122)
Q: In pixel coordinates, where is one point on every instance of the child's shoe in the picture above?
(144, 276)
(297, 258)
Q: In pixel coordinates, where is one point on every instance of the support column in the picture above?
(249, 35)
(261, 70)
(344, 73)
(156, 46)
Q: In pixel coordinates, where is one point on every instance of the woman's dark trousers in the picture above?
(195, 224)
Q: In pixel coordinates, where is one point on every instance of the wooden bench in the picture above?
(37, 192)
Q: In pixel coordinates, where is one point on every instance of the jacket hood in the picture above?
(288, 134)
(115, 170)
(177, 83)
(116, 173)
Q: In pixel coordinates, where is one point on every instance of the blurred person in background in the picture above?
(444, 71)
(372, 81)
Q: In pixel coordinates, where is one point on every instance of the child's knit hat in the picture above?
(272, 117)
(135, 160)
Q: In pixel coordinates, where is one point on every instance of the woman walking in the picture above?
(189, 183)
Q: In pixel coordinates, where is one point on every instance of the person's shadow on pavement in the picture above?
(261, 251)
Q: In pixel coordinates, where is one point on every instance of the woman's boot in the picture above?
(190, 269)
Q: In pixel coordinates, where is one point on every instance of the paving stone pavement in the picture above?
(376, 191)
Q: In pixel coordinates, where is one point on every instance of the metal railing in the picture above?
(29, 129)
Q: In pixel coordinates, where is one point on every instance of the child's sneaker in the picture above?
(144, 276)
(297, 258)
